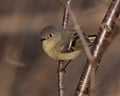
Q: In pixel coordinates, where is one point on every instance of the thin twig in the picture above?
(66, 15)
(60, 65)
(101, 43)
(77, 27)
(81, 35)
(85, 45)
(60, 79)
(91, 87)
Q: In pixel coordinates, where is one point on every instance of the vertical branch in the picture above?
(101, 43)
(60, 78)
(60, 65)
(66, 15)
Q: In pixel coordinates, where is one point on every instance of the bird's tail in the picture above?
(91, 38)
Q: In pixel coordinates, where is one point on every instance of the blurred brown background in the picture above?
(25, 70)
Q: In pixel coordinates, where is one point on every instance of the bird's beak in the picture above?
(42, 39)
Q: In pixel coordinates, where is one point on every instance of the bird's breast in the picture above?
(49, 48)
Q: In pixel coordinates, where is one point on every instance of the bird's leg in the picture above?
(63, 69)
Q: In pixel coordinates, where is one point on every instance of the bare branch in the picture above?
(91, 88)
(66, 15)
(101, 43)
(60, 79)
(81, 35)
(60, 65)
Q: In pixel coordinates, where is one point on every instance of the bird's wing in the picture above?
(70, 46)
(75, 43)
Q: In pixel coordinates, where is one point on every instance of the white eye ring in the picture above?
(51, 35)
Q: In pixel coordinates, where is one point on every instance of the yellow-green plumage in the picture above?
(61, 44)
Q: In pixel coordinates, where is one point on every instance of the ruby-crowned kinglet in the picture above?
(62, 44)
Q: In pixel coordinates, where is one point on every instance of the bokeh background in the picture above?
(25, 70)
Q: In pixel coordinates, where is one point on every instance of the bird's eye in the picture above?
(51, 35)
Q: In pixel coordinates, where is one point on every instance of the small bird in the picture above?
(63, 44)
